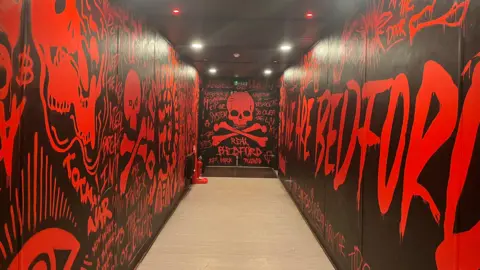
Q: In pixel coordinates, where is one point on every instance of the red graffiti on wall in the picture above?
(240, 107)
(454, 17)
(11, 106)
(6, 65)
(303, 126)
(101, 214)
(238, 120)
(73, 65)
(380, 31)
(38, 200)
(342, 170)
(252, 161)
(10, 15)
(422, 146)
(25, 75)
(466, 242)
(384, 26)
(286, 124)
(322, 117)
(46, 242)
(69, 59)
(282, 164)
(335, 240)
(80, 183)
(8, 130)
(245, 151)
(262, 141)
(132, 99)
(135, 148)
(357, 261)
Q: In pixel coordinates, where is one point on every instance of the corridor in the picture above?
(343, 134)
(236, 224)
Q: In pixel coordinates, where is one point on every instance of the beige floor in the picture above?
(236, 224)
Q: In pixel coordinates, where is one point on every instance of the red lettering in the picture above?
(304, 127)
(289, 126)
(332, 133)
(342, 170)
(102, 213)
(321, 124)
(366, 136)
(79, 183)
(387, 189)
(464, 243)
(436, 82)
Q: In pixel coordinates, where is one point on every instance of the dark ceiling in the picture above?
(253, 28)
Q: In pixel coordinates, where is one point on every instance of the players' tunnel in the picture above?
(214, 134)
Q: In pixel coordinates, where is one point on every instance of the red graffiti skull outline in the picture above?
(240, 107)
(73, 68)
(132, 98)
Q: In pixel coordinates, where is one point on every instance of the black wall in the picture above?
(250, 107)
(378, 135)
(97, 116)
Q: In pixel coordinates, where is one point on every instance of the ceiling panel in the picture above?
(252, 28)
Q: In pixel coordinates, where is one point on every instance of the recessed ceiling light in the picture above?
(176, 11)
(275, 61)
(285, 47)
(309, 15)
(212, 71)
(236, 55)
(267, 71)
(236, 75)
(197, 45)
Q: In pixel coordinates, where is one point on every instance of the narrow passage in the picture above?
(236, 224)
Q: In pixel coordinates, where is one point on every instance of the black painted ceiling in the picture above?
(252, 28)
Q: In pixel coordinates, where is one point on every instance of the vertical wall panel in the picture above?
(462, 227)
(104, 134)
(406, 200)
(13, 52)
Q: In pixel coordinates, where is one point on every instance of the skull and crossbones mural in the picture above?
(238, 126)
(240, 106)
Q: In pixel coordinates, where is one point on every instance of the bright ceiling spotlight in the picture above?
(285, 47)
(212, 71)
(267, 71)
(197, 45)
(309, 15)
(176, 11)
(236, 55)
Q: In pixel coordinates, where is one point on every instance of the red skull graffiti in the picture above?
(72, 68)
(132, 98)
(240, 107)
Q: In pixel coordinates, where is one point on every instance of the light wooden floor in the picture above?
(236, 224)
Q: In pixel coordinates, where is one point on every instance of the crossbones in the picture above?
(135, 148)
(262, 141)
